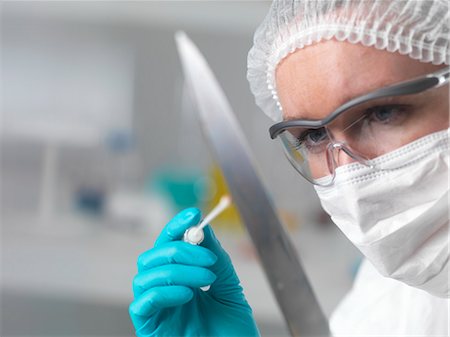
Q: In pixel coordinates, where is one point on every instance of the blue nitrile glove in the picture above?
(168, 301)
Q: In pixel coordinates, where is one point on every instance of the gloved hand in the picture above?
(168, 301)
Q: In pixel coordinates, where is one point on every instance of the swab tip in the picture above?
(225, 199)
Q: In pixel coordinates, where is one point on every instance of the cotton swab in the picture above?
(195, 235)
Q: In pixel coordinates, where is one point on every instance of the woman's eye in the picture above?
(313, 136)
(385, 113)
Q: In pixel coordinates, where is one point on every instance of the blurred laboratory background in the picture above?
(100, 146)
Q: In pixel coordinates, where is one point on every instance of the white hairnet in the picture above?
(417, 28)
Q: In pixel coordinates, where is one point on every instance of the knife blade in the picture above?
(278, 256)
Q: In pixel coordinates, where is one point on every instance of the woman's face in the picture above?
(314, 81)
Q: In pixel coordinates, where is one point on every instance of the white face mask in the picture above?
(399, 218)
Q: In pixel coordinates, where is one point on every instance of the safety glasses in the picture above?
(363, 128)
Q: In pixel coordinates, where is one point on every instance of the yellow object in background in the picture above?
(228, 219)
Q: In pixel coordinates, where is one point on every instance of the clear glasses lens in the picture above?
(310, 164)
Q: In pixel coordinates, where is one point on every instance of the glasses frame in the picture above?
(414, 86)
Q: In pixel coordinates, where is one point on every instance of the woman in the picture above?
(359, 94)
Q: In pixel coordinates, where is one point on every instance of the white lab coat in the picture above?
(380, 306)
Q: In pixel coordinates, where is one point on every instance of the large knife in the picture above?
(279, 258)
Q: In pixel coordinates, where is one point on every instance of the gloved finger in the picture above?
(156, 299)
(176, 227)
(176, 252)
(172, 274)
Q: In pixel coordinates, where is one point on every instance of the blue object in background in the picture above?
(120, 141)
(90, 200)
(355, 267)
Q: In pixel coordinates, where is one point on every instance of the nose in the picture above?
(339, 147)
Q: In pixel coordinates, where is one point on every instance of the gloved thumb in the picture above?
(211, 242)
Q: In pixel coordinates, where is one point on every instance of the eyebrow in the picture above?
(298, 115)
(381, 100)
(348, 98)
